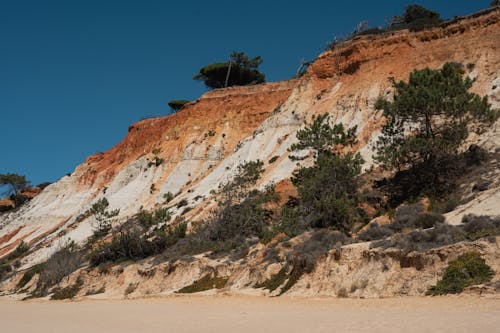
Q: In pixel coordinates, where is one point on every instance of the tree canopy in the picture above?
(428, 120)
(14, 182)
(177, 104)
(416, 18)
(329, 189)
(242, 71)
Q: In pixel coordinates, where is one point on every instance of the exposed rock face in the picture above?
(190, 153)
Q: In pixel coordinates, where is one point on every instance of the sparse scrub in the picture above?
(61, 264)
(428, 220)
(182, 203)
(157, 161)
(186, 210)
(240, 214)
(4, 269)
(477, 227)
(474, 227)
(147, 219)
(375, 232)
(467, 270)
(131, 288)
(29, 274)
(130, 244)
(205, 283)
(21, 249)
(101, 290)
(273, 159)
(168, 197)
(68, 292)
(275, 281)
(342, 293)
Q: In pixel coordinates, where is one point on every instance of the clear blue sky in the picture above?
(75, 74)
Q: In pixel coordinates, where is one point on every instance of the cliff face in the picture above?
(190, 153)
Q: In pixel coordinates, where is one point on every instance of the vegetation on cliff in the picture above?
(427, 122)
(240, 70)
(467, 270)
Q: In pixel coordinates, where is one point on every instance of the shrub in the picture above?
(273, 159)
(67, 292)
(131, 245)
(96, 291)
(131, 288)
(428, 220)
(19, 199)
(4, 269)
(205, 283)
(477, 227)
(467, 270)
(182, 203)
(375, 232)
(168, 197)
(147, 219)
(239, 216)
(474, 227)
(100, 212)
(275, 281)
(157, 161)
(186, 210)
(28, 275)
(329, 189)
(126, 245)
(19, 251)
(61, 264)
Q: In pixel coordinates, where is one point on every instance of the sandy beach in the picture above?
(253, 314)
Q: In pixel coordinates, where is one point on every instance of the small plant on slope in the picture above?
(467, 270)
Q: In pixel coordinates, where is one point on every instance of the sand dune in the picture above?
(253, 314)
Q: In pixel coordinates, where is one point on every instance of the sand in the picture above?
(253, 314)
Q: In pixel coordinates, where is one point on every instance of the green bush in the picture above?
(21, 249)
(273, 159)
(328, 190)
(147, 219)
(205, 283)
(157, 161)
(467, 270)
(182, 203)
(168, 197)
(100, 211)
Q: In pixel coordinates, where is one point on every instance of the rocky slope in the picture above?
(191, 153)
